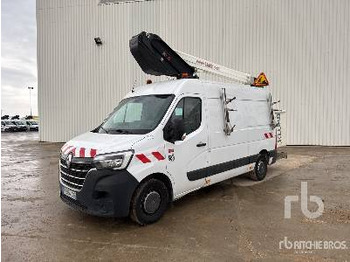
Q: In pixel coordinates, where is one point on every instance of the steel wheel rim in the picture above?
(152, 202)
(261, 167)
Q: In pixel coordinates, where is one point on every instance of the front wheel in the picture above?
(149, 202)
(260, 169)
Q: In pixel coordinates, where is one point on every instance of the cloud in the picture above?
(18, 56)
(17, 78)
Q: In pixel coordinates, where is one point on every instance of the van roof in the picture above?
(163, 87)
(191, 85)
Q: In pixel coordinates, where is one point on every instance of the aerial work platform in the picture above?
(155, 57)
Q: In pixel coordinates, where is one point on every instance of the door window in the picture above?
(185, 119)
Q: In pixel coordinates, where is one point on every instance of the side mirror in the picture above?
(168, 133)
(174, 131)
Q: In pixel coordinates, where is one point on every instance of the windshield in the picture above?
(137, 115)
(18, 123)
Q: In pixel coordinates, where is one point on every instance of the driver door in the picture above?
(186, 143)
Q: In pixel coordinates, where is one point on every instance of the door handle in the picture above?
(201, 144)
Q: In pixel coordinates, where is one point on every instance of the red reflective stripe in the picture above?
(82, 152)
(266, 135)
(144, 159)
(158, 155)
(66, 149)
(92, 152)
(73, 151)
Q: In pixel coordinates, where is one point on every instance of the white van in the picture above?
(163, 141)
(167, 139)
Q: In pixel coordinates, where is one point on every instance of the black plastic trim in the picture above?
(273, 154)
(226, 166)
(105, 193)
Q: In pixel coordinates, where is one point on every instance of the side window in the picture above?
(192, 114)
(185, 119)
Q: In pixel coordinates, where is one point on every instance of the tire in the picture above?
(260, 168)
(149, 202)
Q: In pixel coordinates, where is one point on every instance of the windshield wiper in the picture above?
(121, 131)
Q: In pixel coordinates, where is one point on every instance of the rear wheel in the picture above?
(149, 202)
(260, 168)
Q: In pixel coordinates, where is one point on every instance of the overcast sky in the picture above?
(18, 53)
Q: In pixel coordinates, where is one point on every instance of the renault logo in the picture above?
(69, 160)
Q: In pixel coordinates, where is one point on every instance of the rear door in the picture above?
(188, 157)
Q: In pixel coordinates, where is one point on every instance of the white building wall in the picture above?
(302, 46)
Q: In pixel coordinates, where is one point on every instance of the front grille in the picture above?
(74, 176)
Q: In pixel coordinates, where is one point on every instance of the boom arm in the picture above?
(215, 69)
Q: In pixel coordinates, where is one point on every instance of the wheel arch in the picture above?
(165, 179)
(265, 153)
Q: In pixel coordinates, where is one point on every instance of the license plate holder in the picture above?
(69, 193)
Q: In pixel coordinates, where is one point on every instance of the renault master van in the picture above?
(165, 140)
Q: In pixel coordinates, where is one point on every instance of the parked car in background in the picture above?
(21, 125)
(8, 126)
(32, 125)
(4, 128)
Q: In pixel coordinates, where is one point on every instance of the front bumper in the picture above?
(105, 193)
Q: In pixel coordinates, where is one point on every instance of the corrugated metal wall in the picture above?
(302, 46)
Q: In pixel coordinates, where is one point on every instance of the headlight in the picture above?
(115, 161)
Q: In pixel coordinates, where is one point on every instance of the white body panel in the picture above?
(180, 158)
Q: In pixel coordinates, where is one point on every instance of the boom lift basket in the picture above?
(155, 57)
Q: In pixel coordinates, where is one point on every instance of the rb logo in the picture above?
(304, 201)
